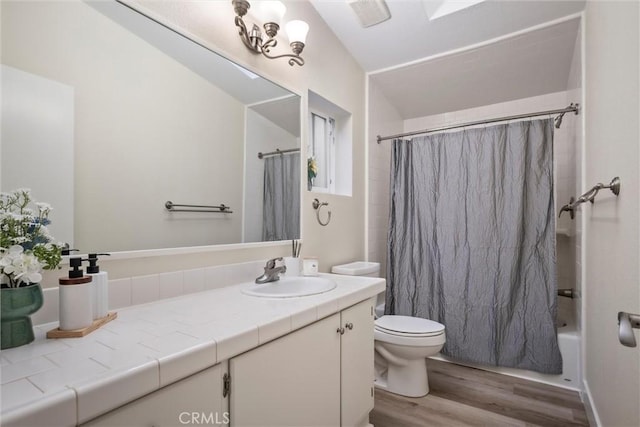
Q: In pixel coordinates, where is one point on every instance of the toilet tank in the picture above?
(363, 268)
(359, 268)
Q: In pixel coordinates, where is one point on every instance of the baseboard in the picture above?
(589, 407)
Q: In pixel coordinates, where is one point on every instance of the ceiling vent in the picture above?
(370, 12)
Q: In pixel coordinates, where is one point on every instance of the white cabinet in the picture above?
(195, 400)
(321, 375)
(292, 381)
(356, 367)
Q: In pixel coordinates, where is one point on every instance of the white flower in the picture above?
(24, 227)
(24, 267)
(44, 207)
(26, 191)
(16, 250)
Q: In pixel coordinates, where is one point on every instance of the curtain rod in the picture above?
(575, 108)
(278, 151)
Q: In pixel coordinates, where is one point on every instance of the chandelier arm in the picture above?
(244, 34)
(292, 58)
(266, 46)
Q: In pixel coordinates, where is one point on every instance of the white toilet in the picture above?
(402, 346)
(402, 343)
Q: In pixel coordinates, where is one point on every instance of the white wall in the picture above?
(264, 136)
(128, 164)
(612, 250)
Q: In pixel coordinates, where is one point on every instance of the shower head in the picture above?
(568, 208)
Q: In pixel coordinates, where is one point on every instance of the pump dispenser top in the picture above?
(76, 276)
(67, 250)
(93, 267)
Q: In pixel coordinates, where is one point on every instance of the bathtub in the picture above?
(569, 343)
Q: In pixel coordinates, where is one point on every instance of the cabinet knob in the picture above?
(349, 326)
(340, 331)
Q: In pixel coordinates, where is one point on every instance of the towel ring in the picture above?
(317, 205)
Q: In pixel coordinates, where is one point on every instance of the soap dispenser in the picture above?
(100, 287)
(76, 298)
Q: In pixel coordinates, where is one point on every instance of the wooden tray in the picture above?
(77, 333)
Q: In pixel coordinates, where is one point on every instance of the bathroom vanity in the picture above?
(319, 375)
(217, 357)
(197, 399)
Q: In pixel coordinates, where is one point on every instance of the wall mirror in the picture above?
(107, 115)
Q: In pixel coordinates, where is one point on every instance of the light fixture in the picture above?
(271, 12)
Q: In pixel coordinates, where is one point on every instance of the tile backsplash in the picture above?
(149, 288)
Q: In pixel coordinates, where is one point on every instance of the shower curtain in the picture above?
(281, 198)
(471, 242)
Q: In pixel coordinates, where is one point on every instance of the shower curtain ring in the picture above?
(317, 205)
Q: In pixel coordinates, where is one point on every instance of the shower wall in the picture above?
(569, 173)
(384, 119)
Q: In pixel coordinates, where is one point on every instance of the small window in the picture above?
(329, 147)
(323, 151)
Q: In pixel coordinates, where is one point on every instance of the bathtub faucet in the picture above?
(271, 272)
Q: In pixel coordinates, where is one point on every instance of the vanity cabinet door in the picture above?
(292, 381)
(357, 372)
(195, 400)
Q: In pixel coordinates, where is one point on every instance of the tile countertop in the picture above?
(71, 381)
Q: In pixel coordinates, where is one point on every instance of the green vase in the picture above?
(17, 304)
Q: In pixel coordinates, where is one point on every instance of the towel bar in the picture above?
(221, 208)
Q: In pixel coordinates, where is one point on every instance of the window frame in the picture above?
(329, 143)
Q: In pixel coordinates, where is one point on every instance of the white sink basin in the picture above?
(290, 287)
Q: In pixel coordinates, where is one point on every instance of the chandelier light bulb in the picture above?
(297, 31)
(269, 10)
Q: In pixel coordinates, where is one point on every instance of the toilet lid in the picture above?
(408, 325)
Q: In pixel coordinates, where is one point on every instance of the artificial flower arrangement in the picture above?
(26, 247)
(312, 169)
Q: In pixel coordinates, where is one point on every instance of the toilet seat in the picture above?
(408, 326)
(407, 335)
(383, 337)
(417, 332)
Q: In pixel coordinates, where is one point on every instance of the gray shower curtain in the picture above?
(471, 242)
(281, 198)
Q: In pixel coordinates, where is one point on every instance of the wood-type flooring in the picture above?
(463, 396)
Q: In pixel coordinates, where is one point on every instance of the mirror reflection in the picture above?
(107, 115)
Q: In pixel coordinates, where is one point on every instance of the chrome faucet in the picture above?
(271, 272)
